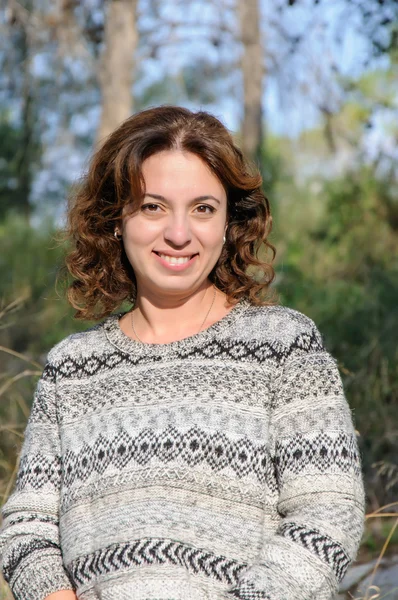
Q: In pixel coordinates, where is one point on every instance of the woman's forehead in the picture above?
(175, 170)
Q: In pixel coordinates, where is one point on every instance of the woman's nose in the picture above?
(178, 231)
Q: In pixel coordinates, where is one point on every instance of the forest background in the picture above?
(309, 89)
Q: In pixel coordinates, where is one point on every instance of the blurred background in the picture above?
(309, 89)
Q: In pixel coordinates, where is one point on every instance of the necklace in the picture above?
(200, 328)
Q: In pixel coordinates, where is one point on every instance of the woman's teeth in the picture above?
(174, 260)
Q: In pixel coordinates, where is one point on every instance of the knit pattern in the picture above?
(224, 465)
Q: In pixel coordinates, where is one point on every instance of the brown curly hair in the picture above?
(102, 275)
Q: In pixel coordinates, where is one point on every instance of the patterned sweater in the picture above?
(224, 465)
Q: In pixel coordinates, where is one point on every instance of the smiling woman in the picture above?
(173, 244)
(168, 182)
(199, 445)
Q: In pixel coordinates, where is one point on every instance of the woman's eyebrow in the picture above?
(197, 199)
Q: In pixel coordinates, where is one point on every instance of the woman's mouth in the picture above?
(175, 260)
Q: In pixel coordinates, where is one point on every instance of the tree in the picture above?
(115, 73)
(19, 142)
(19, 155)
(252, 73)
(110, 43)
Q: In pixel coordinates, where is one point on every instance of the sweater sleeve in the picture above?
(30, 553)
(321, 500)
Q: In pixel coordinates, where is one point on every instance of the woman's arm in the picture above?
(320, 488)
(30, 554)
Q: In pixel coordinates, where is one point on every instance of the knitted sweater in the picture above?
(224, 465)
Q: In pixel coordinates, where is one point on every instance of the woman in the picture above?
(198, 446)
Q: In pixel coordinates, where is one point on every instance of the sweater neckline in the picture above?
(123, 342)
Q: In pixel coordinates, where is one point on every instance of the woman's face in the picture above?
(175, 238)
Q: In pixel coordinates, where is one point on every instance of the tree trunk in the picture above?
(116, 65)
(252, 71)
(26, 152)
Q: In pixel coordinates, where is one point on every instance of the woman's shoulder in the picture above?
(279, 313)
(280, 327)
(277, 318)
(79, 344)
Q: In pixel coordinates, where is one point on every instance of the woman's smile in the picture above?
(175, 262)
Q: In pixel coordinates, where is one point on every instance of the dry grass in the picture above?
(373, 592)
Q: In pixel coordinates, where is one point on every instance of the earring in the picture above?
(117, 235)
(225, 234)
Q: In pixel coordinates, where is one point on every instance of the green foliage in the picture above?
(341, 269)
(376, 533)
(272, 165)
(30, 264)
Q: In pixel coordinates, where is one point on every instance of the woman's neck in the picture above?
(156, 320)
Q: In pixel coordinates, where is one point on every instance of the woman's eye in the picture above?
(205, 209)
(150, 207)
